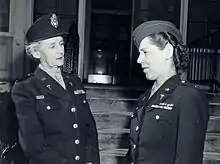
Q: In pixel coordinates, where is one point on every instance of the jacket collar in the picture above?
(165, 90)
(170, 85)
(50, 85)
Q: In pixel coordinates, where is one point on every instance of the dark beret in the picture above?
(155, 26)
(45, 27)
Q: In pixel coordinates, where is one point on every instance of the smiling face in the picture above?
(51, 52)
(153, 60)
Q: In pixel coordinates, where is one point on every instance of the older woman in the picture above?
(170, 120)
(55, 122)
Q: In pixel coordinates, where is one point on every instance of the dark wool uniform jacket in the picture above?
(56, 125)
(170, 127)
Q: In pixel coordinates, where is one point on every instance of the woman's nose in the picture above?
(140, 58)
(61, 49)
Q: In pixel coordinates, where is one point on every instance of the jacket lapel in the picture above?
(159, 96)
(50, 85)
(164, 91)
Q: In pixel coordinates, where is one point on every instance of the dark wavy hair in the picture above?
(180, 54)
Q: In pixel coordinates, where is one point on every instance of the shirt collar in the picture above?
(52, 72)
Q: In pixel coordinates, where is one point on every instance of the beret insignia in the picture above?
(54, 21)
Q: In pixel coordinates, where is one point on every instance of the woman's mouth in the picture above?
(145, 69)
(60, 58)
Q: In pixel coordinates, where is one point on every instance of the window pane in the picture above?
(4, 15)
(110, 46)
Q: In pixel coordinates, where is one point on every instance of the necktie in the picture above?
(59, 79)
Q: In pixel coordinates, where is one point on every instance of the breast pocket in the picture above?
(51, 112)
(163, 114)
(49, 105)
(81, 100)
(161, 117)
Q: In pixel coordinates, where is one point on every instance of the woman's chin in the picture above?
(59, 64)
(149, 77)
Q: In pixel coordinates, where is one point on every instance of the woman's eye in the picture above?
(61, 43)
(52, 46)
(145, 52)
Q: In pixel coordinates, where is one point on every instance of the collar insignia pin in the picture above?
(48, 86)
(43, 78)
(161, 96)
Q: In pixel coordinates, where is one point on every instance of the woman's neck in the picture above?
(160, 81)
(49, 69)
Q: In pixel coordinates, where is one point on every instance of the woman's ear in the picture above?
(36, 54)
(169, 51)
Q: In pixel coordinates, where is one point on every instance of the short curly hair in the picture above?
(30, 48)
(180, 54)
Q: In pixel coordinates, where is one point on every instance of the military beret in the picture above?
(45, 27)
(155, 26)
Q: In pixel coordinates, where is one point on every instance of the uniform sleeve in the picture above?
(92, 148)
(193, 119)
(30, 131)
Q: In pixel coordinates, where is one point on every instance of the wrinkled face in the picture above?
(152, 59)
(51, 52)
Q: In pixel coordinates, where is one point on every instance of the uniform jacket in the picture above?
(170, 127)
(10, 149)
(8, 126)
(56, 125)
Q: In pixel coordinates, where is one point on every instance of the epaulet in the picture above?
(77, 77)
(69, 75)
(24, 78)
(66, 75)
(186, 83)
(72, 75)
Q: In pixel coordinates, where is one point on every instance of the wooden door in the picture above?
(15, 17)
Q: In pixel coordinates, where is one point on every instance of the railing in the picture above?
(204, 67)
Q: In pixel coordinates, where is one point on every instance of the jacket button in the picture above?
(77, 142)
(73, 109)
(77, 158)
(137, 128)
(134, 146)
(75, 126)
(137, 108)
(84, 101)
(157, 117)
(48, 107)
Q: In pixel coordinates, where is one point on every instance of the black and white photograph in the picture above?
(109, 82)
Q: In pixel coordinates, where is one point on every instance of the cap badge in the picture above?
(54, 21)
